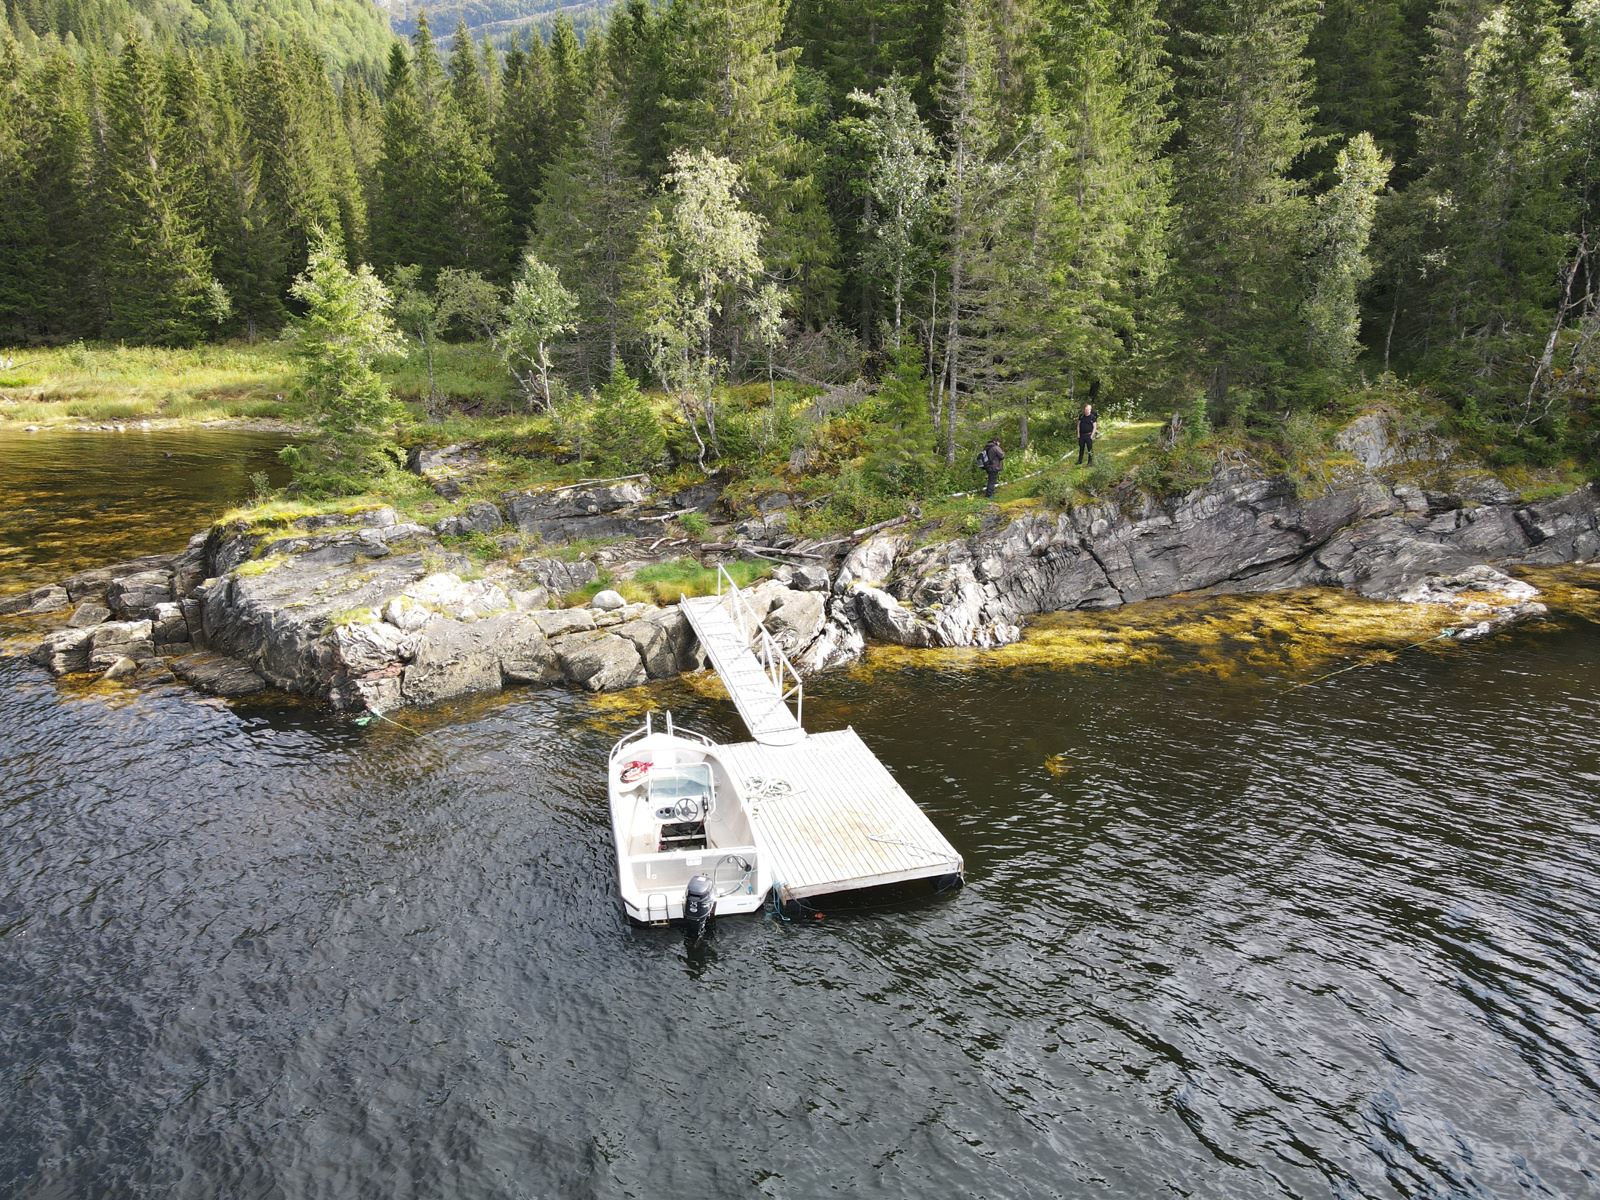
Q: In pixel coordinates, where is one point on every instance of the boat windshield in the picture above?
(668, 785)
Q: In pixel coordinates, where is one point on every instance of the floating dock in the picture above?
(830, 815)
(833, 819)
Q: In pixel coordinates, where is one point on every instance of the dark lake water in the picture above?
(70, 501)
(1222, 938)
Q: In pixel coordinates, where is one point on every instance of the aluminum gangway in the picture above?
(762, 682)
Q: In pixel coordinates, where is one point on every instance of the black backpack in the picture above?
(983, 459)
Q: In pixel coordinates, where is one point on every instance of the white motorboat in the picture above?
(687, 848)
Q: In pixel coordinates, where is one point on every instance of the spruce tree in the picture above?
(521, 139)
(400, 215)
(47, 223)
(594, 200)
(159, 281)
(569, 85)
(286, 141)
(1367, 56)
(248, 245)
(1247, 122)
(467, 86)
(21, 221)
(465, 207)
(975, 201)
(1097, 239)
(1507, 210)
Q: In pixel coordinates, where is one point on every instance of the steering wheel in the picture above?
(689, 808)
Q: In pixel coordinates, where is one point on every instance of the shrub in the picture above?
(345, 328)
(623, 433)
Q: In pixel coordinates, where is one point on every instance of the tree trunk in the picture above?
(1394, 315)
(952, 352)
(433, 387)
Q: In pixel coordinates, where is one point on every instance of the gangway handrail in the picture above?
(781, 673)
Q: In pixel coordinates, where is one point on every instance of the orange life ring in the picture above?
(634, 771)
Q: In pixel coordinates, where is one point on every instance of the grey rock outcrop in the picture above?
(478, 517)
(168, 626)
(1238, 533)
(796, 619)
(120, 639)
(40, 600)
(134, 597)
(655, 647)
(558, 622)
(558, 577)
(121, 669)
(65, 652)
(449, 470)
(526, 655)
(89, 613)
(217, 675)
(452, 659)
(600, 661)
(567, 514)
(841, 640)
(366, 610)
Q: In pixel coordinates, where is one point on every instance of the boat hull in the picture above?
(676, 813)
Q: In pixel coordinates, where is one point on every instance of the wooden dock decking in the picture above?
(827, 813)
(834, 819)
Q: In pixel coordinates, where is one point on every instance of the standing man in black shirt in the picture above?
(992, 458)
(1088, 428)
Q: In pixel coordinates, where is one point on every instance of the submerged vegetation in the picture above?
(1282, 639)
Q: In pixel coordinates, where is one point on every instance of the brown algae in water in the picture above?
(1286, 634)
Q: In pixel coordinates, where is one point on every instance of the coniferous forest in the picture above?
(1012, 204)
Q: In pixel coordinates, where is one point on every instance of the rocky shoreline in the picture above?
(366, 611)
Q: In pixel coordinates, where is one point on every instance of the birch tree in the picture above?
(899, 181)
(699, 251)
(1339, 264)
(538, 310)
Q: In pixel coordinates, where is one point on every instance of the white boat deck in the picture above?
(833, 819)
(757, 691)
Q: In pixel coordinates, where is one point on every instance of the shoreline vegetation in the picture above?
(793, 443)
(1248, 222)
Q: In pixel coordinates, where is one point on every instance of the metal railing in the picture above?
(780, 671)
(645, 730)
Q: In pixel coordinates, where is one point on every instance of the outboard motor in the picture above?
(699, 906)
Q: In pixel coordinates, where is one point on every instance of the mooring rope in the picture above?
(372, 712)
(1367, 662)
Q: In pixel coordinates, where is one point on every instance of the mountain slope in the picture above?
(347, 32)
(496, 19)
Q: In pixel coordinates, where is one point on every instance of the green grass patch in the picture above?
(66, 385)
(666, 582)
(468, 376)
(259, 566)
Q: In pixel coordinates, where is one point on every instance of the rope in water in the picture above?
(375, 713)
(1438, 637)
